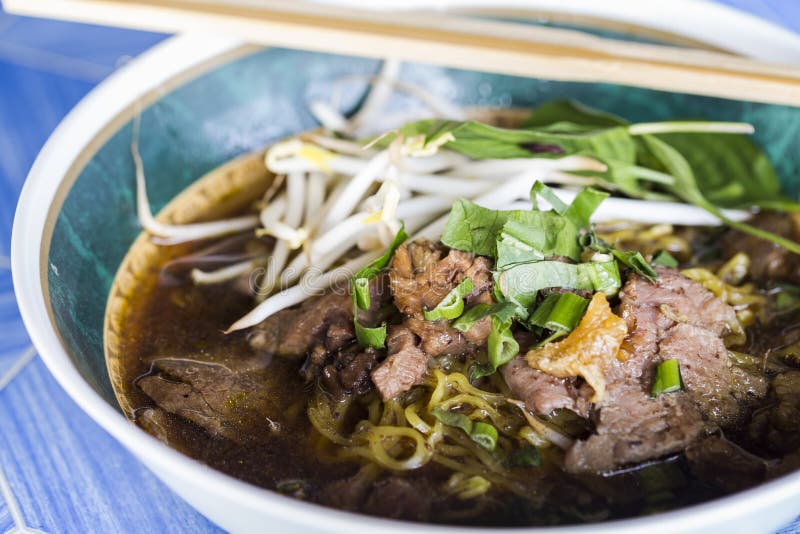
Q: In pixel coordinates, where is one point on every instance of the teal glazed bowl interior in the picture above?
(258, 98)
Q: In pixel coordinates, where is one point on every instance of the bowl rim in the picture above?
(72, 144)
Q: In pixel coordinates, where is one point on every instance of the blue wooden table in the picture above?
(60, 472)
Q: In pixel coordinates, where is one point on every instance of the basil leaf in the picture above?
(536, 235)
(521, 283)
(473, 228)
(686, 188)
(558, 111)
(731, 170)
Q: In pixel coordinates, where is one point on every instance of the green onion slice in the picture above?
(370, 337)
(503, 310)
(560, 312)
(456, 420)
(484, 435)
(526, 456)
(452, 305)
(361, 291)
(664, 259)
(668, 378)
(359, 288)
(501, 345)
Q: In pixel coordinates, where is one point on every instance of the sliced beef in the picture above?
(405, 366)
(293, 332)
(650, 309)
(391, 497)
(780, 430)
(768, 261)
(724, 465)
(224, 400)
(632, 428)
(706, 369)
(349, 372)
(421, 275)
(541, 392)
(397, 498)
(675, 317)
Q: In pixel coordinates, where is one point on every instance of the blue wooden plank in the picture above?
(48, 451)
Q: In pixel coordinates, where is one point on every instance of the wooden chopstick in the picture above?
(449, 40)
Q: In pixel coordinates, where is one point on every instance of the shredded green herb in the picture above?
(374, 337)
(664, 259)
(709, 164)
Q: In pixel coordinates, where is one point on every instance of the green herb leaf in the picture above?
(456, 420)
(668, 378)
(370, 337)
(550, 114)
(359, 288)
(504, 311)
(559, 312)
(452, 305)
(535, 235)
(715, 159)
(664, 259)
(686, 189)
(501, 347)
(473, 228)
(526, 456)
(521, 283)
(484, 435)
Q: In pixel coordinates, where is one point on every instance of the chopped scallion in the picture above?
(668, 378)
(361, 290)
(559, 312)
(526, 456)
(452, 305)
(501, 345)
(664, 259)
(370, 337)
(484, 435)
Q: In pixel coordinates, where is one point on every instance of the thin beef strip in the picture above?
(405, 366)
(349, 372)
(541, 392)
(421, 275)
(225, 400)
(293, 332)
(675, 317)
(325, 320)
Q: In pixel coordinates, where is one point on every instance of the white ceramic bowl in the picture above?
(234, 505)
